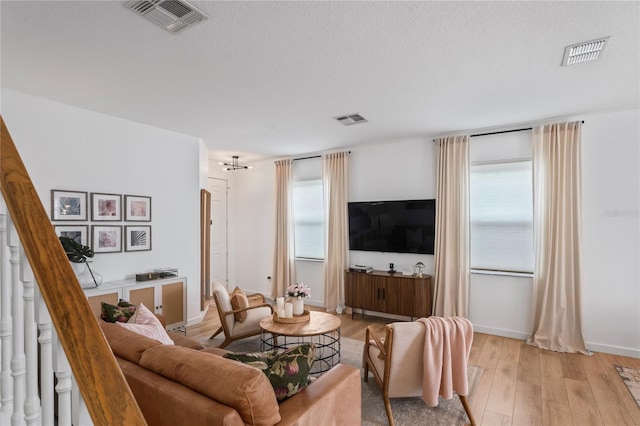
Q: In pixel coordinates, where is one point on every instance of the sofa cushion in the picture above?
(121, 312)
(287, 371)
(231, 383)
(126, 344)
(148, 325)
(239, 301)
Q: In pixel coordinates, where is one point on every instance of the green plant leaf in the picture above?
(76, 253)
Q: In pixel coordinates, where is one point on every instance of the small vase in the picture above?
(298, 305)
(87, 277)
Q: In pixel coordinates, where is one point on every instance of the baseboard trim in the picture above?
(594, 347)
(614, 350)
(512, 334)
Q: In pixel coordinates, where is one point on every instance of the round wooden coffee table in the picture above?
(322, 329)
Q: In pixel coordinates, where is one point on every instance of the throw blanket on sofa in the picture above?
(447, 344)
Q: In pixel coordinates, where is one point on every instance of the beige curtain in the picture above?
(557, 322)
(451, 269)
(336, 195)
(284, 267)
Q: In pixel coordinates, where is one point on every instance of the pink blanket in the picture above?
(447, 345)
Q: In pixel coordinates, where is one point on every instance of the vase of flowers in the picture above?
(298, 292)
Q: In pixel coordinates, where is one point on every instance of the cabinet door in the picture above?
(172, 302)
(374, 293)
(146, 295)
(404, 296)
(95, 302)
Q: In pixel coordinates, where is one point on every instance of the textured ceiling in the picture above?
(264, 79)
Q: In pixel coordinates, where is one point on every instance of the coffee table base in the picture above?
(327, 347)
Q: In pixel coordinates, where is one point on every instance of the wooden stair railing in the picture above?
(103, 386)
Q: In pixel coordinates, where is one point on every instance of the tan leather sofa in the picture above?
(187, 384)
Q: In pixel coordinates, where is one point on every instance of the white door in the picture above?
(218, 190)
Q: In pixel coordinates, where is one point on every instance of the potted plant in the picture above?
(77, 253)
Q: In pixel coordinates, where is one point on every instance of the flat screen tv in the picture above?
(393, 226)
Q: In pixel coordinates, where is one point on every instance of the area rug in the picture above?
(406, 411)
(631, 378)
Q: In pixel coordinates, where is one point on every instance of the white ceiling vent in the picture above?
(584, 52)
(350, 119)
(172, 15)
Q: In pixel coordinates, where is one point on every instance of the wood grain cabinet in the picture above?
(389, 293)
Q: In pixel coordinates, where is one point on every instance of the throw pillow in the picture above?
(147, 324)
(287, 371)
(121, 312)
(239, 301)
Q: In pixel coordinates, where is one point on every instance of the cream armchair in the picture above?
(236, 330)
(396, 362)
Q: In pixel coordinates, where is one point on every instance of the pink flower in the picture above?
(281, 393)
(292, 368)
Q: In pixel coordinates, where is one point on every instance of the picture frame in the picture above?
(68, 205)
(106, 207)
(137, 208)
(78, 233)
(106, 238)
(137, 238)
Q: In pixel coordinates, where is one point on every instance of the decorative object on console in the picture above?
(297, 293)
(138, 238)
(166, 272)
(68, 205)
(78, 254)
(391, 270)
(147, 276)
(137, 208)
(418, 269)
(106, 207)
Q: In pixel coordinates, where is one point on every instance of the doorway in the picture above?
(219, 259)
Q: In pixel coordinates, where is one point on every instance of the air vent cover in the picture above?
(172, 15)
(350, 119)
(584, 52)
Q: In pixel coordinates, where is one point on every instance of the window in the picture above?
(308, 214)
(501, 216)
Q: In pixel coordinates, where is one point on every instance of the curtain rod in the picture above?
(313, 156)
(501, 131)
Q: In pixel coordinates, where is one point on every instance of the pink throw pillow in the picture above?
(148, 325)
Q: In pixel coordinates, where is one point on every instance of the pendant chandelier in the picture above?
(233, 165)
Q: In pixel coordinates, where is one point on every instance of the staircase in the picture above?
(56, 367)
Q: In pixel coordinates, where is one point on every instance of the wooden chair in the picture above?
(236, 330)
(397, 363)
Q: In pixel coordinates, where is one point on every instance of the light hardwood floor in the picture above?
(521, 384)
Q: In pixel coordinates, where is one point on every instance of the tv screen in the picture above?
(393, 226)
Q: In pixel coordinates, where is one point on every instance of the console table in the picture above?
(381, 291)
(166, 296)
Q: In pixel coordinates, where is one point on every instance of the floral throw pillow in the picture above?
(287, 371)
(121, 312)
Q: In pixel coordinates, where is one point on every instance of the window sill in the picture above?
(308, 259)
(502, 273)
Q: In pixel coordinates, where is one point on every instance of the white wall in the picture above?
(611, 231)
(498, 305)
(70, 148)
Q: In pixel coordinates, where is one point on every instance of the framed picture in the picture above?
(68, 205)
(106, 238)
(78, 233)
(137, 208)
(138, 238)
(106, 207)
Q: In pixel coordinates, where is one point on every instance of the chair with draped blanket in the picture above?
(426, 358)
